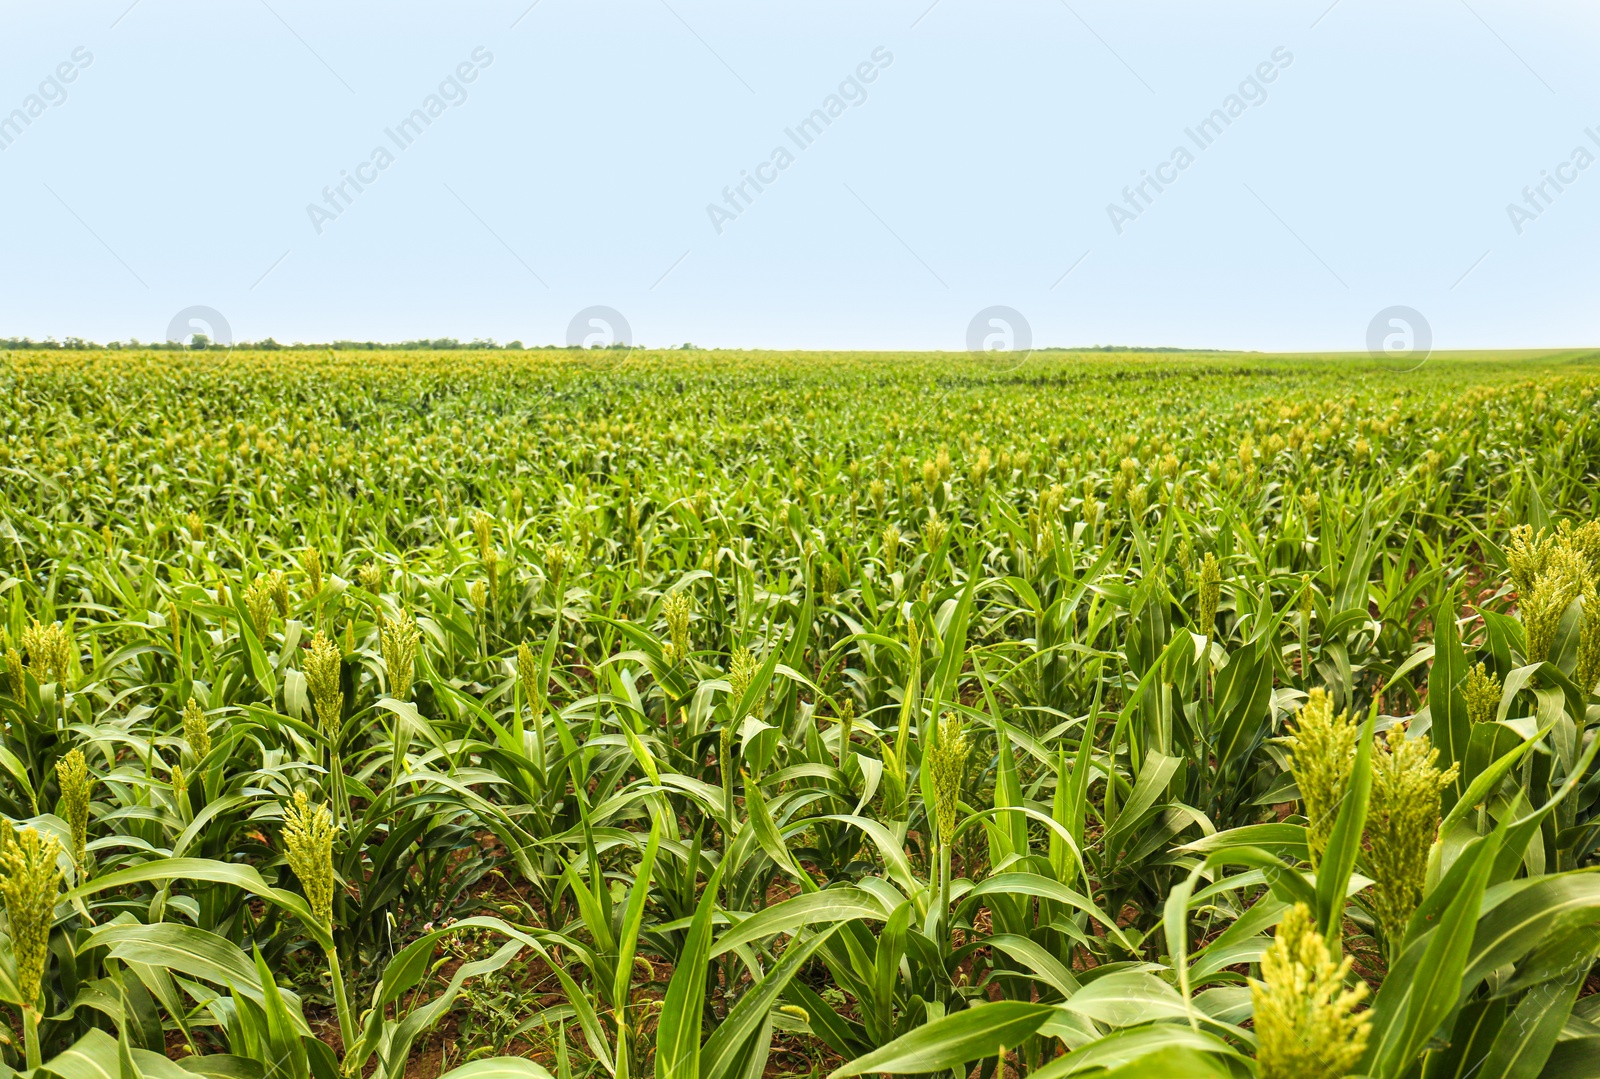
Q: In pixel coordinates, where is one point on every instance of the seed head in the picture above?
(321, 668)
(1482, 692)
(371, 577)
(1305, 1019)
(399, 637)
(878, 491)
(1556, 585)
(742, 670)
(1526, 553)
(847, 719)
(1050, 500)
(483, 528)
(195, 729)
(1322, 754)
(676, 607)
(72, 774)
(1402, 825)
(528, 675)
(258, 601)
(180, 783)
(1585, 540)
(1210, 595)
(979, 473)
(947, 763)
(1310, 502)
(1587, 672)
(1186, 561)
(890, 546)
(51, 652)
(311, 563)
(308, 842)
(29, 881)
(933, 533)
(14, 671)
(278, 588)
(829, 583)
(555, 564)
(491, 566)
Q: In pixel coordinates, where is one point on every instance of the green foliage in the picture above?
(716, 714)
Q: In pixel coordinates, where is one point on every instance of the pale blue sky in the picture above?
(976, 171)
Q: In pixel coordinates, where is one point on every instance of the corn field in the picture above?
(722, 715)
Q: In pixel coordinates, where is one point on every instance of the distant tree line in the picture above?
(199, 341)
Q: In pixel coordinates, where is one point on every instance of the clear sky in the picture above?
(967, 155)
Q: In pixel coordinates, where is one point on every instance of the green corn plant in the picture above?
(308, 842)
